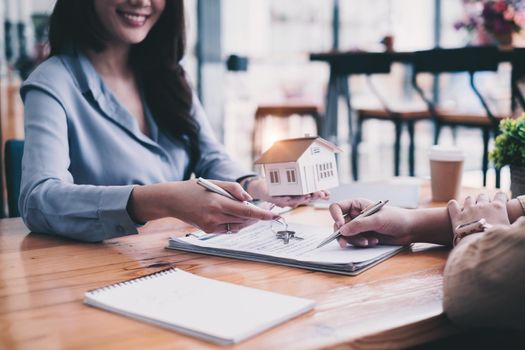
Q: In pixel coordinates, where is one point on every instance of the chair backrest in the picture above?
(361, 63)
(14, 149)
(518, 74)
(466, 59)
(518, 62)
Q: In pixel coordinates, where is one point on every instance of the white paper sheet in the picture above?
(260, 239)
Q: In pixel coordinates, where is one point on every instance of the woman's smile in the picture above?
(128, 21)
(132, 18)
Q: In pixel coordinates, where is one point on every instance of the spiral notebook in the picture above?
(216, 311)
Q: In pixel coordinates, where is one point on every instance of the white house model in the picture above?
(300, 166)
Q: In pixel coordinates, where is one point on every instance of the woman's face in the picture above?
(128, 21)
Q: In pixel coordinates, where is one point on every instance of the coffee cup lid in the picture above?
(446, 153)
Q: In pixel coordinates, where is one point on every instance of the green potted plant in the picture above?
(510, 150)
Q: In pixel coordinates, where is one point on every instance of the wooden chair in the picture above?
(14, 149)
(11, 126)
(281, 111)
(469, 60)
(403, 115)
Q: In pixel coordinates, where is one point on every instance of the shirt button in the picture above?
(120, 229)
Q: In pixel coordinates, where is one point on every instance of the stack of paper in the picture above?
(259, 243)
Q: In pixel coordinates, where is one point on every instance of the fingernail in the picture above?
(362, 242)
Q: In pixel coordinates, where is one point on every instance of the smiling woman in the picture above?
(114, 133)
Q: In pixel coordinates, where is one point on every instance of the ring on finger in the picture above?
(468, 228)
(228, 229)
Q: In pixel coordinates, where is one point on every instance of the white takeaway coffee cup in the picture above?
(446, 170)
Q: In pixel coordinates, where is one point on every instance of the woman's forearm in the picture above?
(431, 226)
(145, 202)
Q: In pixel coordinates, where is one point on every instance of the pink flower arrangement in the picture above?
(499, 18)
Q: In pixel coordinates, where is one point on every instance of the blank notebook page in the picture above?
(217, 311)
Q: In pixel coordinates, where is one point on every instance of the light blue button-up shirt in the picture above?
(84, 152)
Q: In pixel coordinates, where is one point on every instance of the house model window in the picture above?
(274, 176)
(290, 175)
(325, 171)
(307, 165)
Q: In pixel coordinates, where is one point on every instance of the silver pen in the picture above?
(371, 209)
(210, 186)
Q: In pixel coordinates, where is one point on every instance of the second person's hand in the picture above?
(494, 212)
(390, 225)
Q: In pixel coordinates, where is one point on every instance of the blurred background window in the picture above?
(275, 37)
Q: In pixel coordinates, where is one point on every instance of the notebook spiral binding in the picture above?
(133, 280)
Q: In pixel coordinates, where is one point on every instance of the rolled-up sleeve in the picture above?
(213, 162)
(484, 279)
(50, 201)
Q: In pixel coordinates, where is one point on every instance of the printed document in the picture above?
(259, 242)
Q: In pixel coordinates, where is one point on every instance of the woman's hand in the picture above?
(495, 212)
(390, 225)
(257, 188)
(195, 205)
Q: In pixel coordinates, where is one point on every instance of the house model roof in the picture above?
(291, 150)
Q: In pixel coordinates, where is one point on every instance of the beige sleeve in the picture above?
(484, 278)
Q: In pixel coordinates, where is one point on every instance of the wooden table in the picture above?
(43, 278)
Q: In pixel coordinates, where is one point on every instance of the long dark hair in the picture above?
(156, 60)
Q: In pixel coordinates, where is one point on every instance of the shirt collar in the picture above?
(90, 81)
(85, 74)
